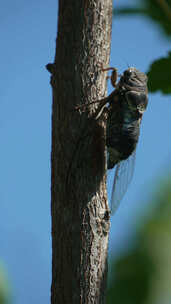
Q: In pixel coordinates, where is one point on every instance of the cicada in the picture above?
(126, 106)
(125, 111)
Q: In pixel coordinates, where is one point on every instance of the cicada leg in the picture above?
(113, 76)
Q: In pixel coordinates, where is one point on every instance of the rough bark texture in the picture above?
(80, 215)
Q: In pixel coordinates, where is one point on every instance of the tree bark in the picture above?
(80, 214)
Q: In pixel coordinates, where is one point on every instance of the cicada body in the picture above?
(123, 127)
(127, 104)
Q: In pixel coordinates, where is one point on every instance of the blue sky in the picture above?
(28, 33)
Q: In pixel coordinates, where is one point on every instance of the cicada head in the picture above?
(134, 78)
(133, 83)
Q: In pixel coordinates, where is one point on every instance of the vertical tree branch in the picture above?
(80, 215)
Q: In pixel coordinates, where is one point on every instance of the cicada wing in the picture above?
(122, 178)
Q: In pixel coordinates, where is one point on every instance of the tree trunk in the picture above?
(80, 214)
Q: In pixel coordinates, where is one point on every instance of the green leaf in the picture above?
(143, 273)
(157, 11)
(159, 75)
(131, 276)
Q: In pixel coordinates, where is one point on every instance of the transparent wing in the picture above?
(122, 178)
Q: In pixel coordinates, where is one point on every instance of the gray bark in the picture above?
(80, 214)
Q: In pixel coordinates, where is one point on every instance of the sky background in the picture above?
(28, 32)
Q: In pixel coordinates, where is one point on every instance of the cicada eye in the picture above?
(127, 73)
(141, 108)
